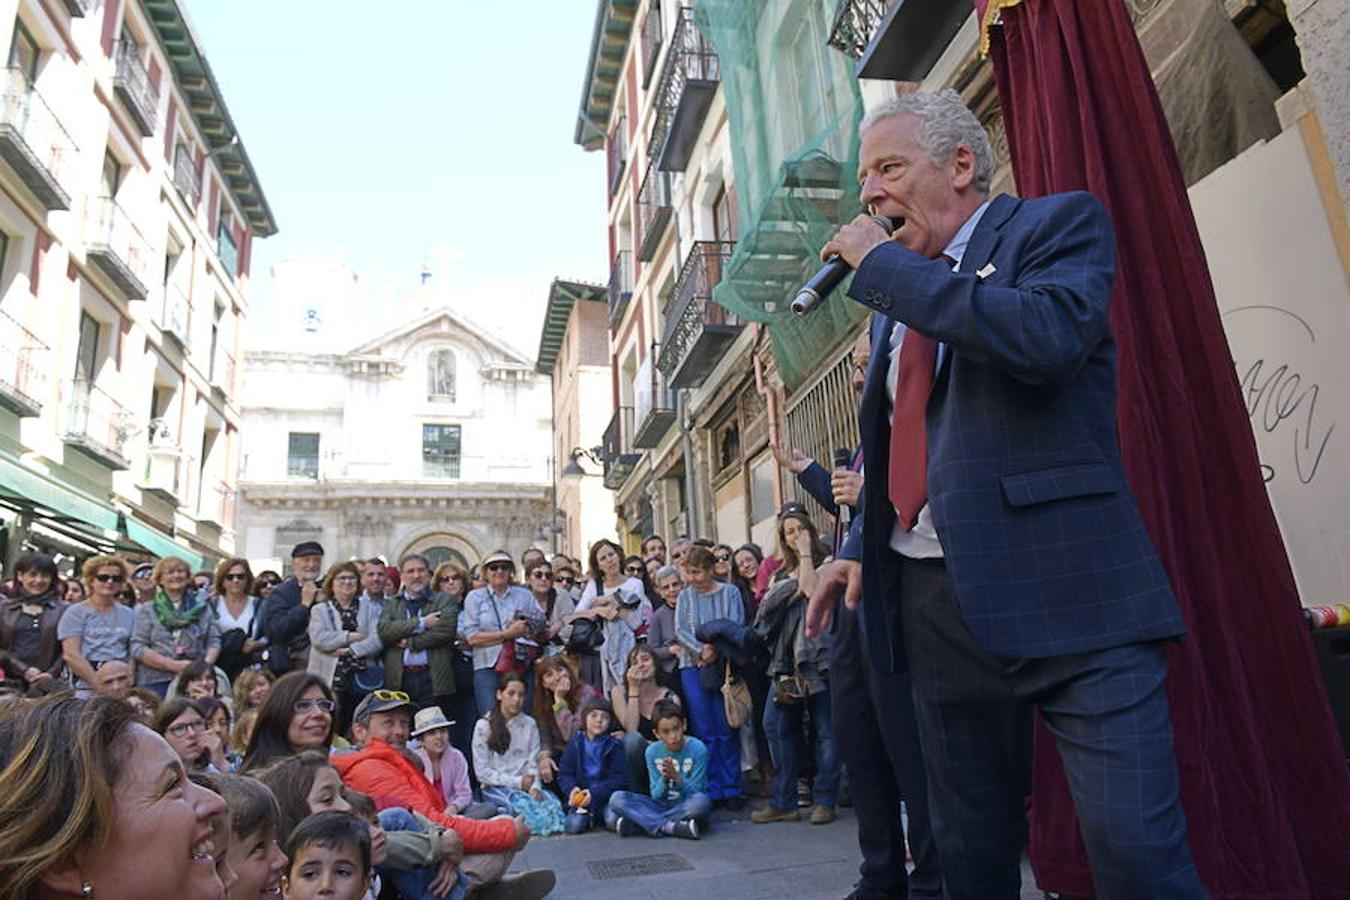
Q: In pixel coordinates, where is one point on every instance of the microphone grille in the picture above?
(888, 223)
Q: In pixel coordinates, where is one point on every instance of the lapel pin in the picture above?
(986, 271)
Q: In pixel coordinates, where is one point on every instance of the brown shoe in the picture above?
(532, 885)
(823, 815)
(769, 814)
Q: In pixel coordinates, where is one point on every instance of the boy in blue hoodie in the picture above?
(592, 767)
(677, 767)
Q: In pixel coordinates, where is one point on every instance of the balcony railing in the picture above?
(23, 368)
(186, 179)
(620, 287)
(689, 80)
(654, 211)
(618, 452)
(117, 247)
(98, 425)
(163, 463)
(616, 155)
(697, 331)
(653, 405)
(34, 142)
(855, 23)
(652, 38)
(177, 315)
(132, 84)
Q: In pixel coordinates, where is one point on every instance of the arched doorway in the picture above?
(439, 547)
(440, 554)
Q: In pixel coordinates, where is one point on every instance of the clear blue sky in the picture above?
(391, 133)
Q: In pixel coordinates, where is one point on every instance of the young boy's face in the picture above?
(333, 873)
(597, 723)
(259, 863)
(378, 842)
(671, 732)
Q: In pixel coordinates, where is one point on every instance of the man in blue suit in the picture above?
(1000, 557)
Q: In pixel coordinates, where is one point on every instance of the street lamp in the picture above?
(573, 468)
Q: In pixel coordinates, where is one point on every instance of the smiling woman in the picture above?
(99, 805)
(297, 716)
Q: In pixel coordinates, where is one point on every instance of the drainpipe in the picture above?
(691, 510)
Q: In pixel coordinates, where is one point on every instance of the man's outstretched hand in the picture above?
(840, 576)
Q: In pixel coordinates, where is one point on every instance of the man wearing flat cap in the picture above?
(284, 621)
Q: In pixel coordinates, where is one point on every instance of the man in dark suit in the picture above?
(1000, 557)
(283, 622)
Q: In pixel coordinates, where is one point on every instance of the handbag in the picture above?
(736, 699)
(369, 677)
(587, 636)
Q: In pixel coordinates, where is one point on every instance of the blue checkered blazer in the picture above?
(1044, 545)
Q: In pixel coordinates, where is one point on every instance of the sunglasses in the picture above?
(634, 570)
(542, 573)
(500, 567)
(397, 696)
(236, 576)
(304, 706)
(110, 579)
(563, 579)
(453, 576)
(184, 728)
(267, 582)
(723, 557)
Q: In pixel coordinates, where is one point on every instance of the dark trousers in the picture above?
(879, 744)
(1108, 713)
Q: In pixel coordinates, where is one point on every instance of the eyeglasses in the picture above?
(304, 706)
(108, 578)
(542, 573)
(267, 582)
(385, 696)
(563, 579)
(182, 729)
(236, 576)
(499, 567)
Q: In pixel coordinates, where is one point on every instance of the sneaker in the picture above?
(803, 793)
(626, 828)
(532, 885)
(685, 828)
(823, 815)
(769, 814)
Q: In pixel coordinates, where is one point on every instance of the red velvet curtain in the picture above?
(1264, 781)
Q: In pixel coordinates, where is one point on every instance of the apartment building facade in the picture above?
(128, 210)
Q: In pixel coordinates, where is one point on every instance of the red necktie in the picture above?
(907, 473)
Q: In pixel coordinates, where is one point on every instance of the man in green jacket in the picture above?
(418, 631)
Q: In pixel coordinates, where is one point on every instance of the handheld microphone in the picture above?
(843, 460)
(814, 292)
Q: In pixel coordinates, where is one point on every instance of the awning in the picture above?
(34, 489)
(160, 544)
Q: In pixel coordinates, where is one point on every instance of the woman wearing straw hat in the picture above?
(445, 767)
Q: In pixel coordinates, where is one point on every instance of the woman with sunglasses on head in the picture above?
(297, 716)
(343, 638)
(236, 615)
(491, 622)
(99, 629)
(173, 629)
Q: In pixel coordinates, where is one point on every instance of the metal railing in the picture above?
(37, 136)
(654, 211)
(133, 81)
(23, 363)
(653, 404)
(98, 421)
(855, 24)
(112, 232)
(691, 307)
(176, 317)
(616, 155)
(689, 58)
(620, 287)
(186, 177)
(617, 448)
(652, 38)
(821, 417)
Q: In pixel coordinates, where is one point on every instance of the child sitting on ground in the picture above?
(329, 857)
(592, 767)
(678, 769)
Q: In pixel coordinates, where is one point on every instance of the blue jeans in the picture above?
(650, 814)
(708, 722)
(578, 822)
(411, 884)
(485, 690)
(782, 725)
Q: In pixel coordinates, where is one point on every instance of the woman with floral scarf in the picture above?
(174, 629)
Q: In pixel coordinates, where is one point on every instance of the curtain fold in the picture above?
(1264, 781)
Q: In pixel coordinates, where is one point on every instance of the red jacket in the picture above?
(382, 772)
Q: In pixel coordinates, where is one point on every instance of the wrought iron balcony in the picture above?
(98, 425)
(132, 84)
(34, 142)
(616, 155)
(23, 368)
(176, 315)
(652, 38)
(689, 80)
(697, 331)
(117, 247)
(653, 405)
(620, 287)
(654, 211)
(617, 448)
(185, 178)
(855, 22)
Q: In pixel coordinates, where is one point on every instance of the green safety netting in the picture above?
(793, 109)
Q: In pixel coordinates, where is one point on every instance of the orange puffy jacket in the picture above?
(382, 772)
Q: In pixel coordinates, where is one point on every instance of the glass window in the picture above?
(112, 174)
(225, 247)
(24, 53)
(440, 451)
(302, 455)
(86, 357)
